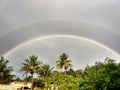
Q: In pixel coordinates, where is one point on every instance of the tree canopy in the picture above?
(63, 62)
(100, 76)
(6, 75)
(31, 65)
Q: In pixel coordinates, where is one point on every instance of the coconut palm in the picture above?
(45, 70)
(63, 62)
(5, 71)
(31, 66)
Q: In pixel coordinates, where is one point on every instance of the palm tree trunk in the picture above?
(32, 82)
(65, 71)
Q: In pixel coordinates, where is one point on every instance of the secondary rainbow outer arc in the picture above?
(64, 20)
(56, 36)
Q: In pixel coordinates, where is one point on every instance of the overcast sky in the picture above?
(24, 20)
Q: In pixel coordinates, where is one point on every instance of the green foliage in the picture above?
(63, 62)
(101, 76)
(38, 82)
(64, 82)
(45, 70)
(28, 79)
(5, 71)
(18, 79)
(31, 65)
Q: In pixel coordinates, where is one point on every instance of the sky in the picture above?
(88, 30)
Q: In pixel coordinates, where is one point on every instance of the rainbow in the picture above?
(62, 20)
(58, 36)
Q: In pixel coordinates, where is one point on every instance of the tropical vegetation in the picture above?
(100, 76)
(63, 62)
(6, 75)
(31, 65)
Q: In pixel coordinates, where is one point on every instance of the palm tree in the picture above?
(31, 65)
(5, 71)
(45, 70)
(63, 62)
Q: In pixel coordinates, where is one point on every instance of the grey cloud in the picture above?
(23, 20)
(20, 12)
(81, 52)
(92, 31)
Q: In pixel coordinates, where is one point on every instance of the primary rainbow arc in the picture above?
(59, 35)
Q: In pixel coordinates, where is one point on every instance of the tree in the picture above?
(101, 76)
(63, 62)
(31, 65)
(5, 71)
(45, 70)
(18, 79)
(64, 82)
